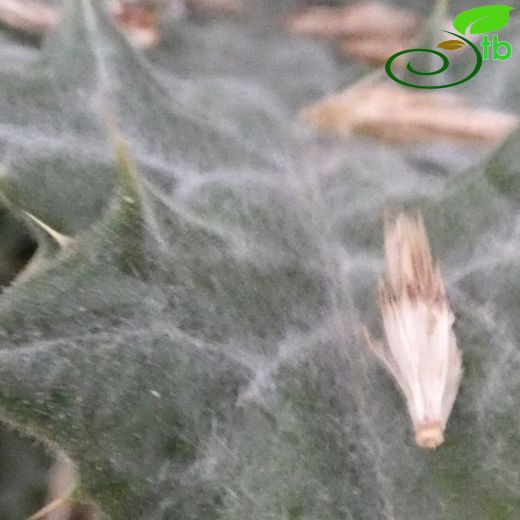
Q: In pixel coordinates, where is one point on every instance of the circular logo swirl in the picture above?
(443, 67)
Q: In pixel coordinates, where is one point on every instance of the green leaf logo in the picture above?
(484, 19)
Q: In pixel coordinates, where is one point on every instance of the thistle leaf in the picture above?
(198, 355)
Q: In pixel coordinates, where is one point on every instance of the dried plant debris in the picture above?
(62, 481)
(358, 20)
(138, 20)
(395, 114)
(368, 32)
(421, 350)
(374, 51)
(32, 18)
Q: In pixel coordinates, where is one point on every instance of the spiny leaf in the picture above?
(197, 354)
(483, 19)
(64, 241)
(451, 45)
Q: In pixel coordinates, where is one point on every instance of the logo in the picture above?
(480, 20)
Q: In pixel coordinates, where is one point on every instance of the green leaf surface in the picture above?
(199, 355)
(483, 19)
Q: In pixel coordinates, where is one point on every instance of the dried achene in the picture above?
(421, 350)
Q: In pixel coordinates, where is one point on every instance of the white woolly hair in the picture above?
(421, 351)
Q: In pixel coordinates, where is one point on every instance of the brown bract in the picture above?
(398, 114)
(368, 32)
(411, 272)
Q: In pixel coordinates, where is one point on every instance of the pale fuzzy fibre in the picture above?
(421, 350)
